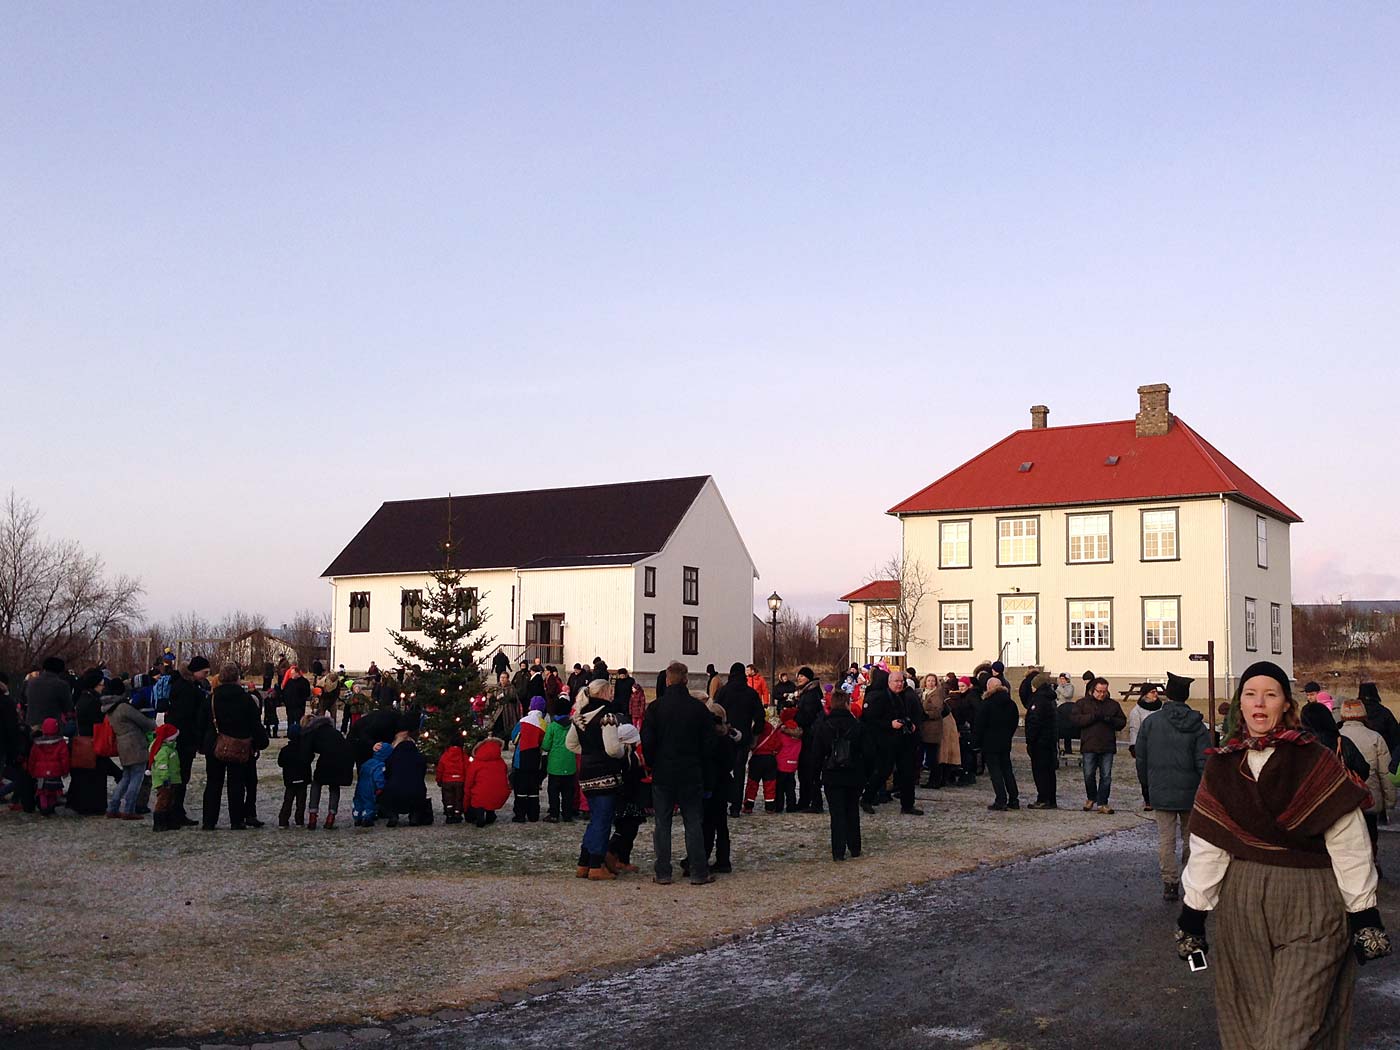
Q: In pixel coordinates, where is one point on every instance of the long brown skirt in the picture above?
(1284, 965)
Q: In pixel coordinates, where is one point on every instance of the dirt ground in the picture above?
(274, 930)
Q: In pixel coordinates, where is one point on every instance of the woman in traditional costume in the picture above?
(1279, 852)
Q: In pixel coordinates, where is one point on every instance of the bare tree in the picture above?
(55, 599)
(906, 610)
(308, 633)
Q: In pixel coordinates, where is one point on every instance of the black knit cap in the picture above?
(1268, 669)
(198, 664)
(1178, 688)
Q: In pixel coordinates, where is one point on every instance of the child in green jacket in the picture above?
(562, 766)
(165, 778)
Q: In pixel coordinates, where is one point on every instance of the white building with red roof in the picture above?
(1120, 547)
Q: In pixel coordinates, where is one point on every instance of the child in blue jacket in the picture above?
(368, 787)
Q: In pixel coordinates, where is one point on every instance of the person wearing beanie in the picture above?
(189, 696)
(992, 731)
(165, 777)
(811, 712)
(526, 766)
(1171, 756)
(1373, 750)
(1042, 741)
(632, 803)
(451, 777)
(1380, 718)
(715, 807)
(743, 709)
(1148, 704)
(48, 763)
(404, 791)
(1286, 860)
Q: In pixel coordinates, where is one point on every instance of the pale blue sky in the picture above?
(263, 266)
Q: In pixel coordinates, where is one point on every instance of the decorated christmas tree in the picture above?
(445, 659)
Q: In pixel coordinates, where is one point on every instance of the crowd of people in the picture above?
(1274, 828)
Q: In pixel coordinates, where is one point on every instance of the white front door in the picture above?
(1018, 630)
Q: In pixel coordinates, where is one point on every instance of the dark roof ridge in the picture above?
(558, 488)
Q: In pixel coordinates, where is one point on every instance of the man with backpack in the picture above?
(845, 754)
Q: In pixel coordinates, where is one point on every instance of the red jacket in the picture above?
(769, 741)
(48, 758)
(452, 766)
(488, 780)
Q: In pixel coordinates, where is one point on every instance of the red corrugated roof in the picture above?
(1068, 466)
(834, 620)
(875, 591)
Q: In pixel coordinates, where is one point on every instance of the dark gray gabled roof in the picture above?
(592, 525)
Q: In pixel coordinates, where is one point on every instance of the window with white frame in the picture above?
(1251, 624)
(1161, 623)
(1159, 529)
(1089, 537)
(1018, 541)
(1261, 540)
(955, 625)
(955, 544)
(1276, 627)
(1091, 623)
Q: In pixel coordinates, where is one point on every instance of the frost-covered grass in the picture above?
(195, 932)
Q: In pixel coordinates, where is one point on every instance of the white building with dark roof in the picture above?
(639, 573)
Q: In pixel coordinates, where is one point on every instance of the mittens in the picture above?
(1190, 932)
(1369, 940)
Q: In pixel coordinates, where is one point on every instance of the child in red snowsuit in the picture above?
(451, 776)
(789, 750)
(48, 764)
(487, 784)
(763, 768)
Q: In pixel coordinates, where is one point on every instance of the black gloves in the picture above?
(1368, 937)
(1190, 932)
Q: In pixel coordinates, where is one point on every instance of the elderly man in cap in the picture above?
(1171, 756)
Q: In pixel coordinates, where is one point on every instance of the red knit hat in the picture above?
(164, 732)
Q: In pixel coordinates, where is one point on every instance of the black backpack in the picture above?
(842, 753)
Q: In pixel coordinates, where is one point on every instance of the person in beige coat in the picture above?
(931, 730)
(1372, 747)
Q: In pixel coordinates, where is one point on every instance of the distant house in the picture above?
(639, 573)
(834, 627)
(1122, 546)
(871, 622)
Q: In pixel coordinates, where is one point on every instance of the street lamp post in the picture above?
(774, 604)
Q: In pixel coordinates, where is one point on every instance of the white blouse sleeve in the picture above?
(1349, 846)
(1205, 871)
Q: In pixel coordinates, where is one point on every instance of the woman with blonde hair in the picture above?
(1279, 852)
(934, 699)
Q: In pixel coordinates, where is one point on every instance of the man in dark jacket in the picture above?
(1099, 719)
(1042, 741)
(784, 689)
(622, 696)
(49, 694)
(1379, 720)
(744, 712)
(500, 664)
(676, 738)
(910, 710)
(889, 718)
(811, 712)
(377, 727)
(186, 713)
(1026, 690)
(233, 713)
(1171, 757)
(578, 679)
(844, 750)
(992, 732)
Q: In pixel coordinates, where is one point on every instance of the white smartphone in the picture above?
(1197, 961)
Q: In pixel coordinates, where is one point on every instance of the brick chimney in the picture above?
(1039, 416)
(1154, 416)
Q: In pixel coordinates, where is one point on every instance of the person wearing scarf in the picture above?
(1279, 852)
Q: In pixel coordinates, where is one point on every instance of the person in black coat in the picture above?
(296, 694)
(188, 697)
(377, 727)
(888, 719)
(811, 712)
(232, 713)
(992, 732)
(405, 787)
(844, 749)
(677, 737)
(1042, 741)
(622, 696)
(720, 762)
(335, 763)
(500, 664)
(1379, 719)
(743, 711)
